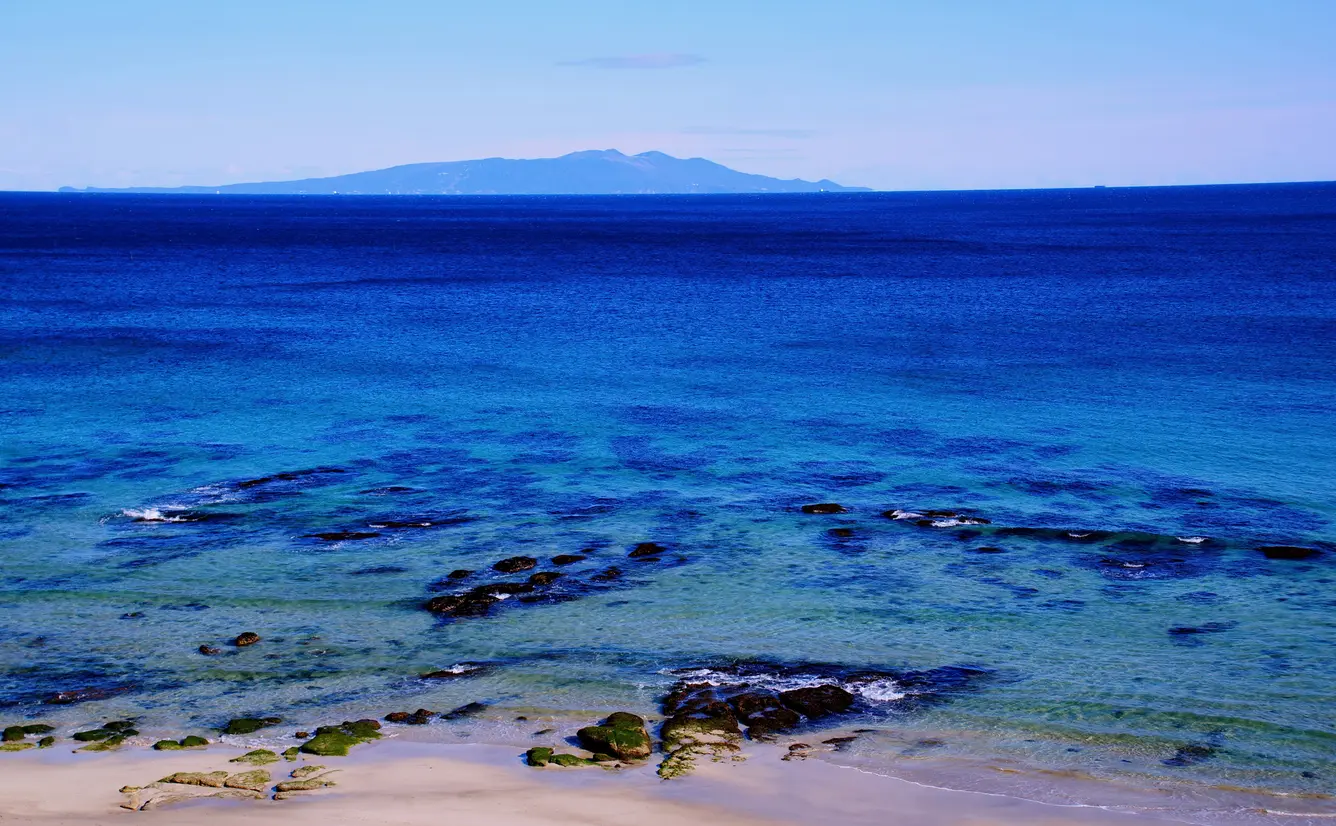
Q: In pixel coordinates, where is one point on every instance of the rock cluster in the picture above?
(15, 738)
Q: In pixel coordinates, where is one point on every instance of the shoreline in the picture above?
(403, 781)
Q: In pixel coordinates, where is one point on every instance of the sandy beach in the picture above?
(408, 783)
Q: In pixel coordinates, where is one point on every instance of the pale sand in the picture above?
(405, 783)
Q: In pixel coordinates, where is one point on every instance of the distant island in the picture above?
(593, 172)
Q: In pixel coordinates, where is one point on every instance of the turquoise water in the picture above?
(549, 376)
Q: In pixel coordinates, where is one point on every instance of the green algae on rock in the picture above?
(13, 734)
(250, 725)
(213, 780)
(290, 753)
(335, 741)
(305, 771)
(38, 728)
(622, 735)
(254, 780)
(258, 757)
(570, 760)
(538, 756)
(46, 742)
(189, 742)
(110, 744)
(13, 746)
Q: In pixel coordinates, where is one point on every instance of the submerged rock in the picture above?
(824, 508)
(515, 564)
(342, 536)
(545, 578)
(645, 549)
(1292, 553)
(764, 714)
(82, 695)
(468, 710)
(459, 573)
(209, 650)
(622, 735)
(246, 638)
(567, 559)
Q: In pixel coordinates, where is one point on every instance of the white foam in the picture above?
(899, 514)
(150, 515)
(1192, 540)
(883, 690)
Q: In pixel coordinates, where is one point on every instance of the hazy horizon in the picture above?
(965, 95)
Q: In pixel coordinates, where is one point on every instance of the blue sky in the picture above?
(896, 95)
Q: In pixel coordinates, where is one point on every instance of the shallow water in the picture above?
(544, 376)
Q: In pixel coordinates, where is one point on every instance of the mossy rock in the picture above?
(38, 728)
(93, 734)
(290, 754)
(212, 780)
(250, 725)
(603, 758)
(46, 742)
(259, 757)
(335, 741)
(167, 745)
(193, 741)
(13, 734)
(538, 756)
(569, 760)
(121, 726)
(303, 785)
(12, 746)
(305, 771)
(254, 780)
(621, 734)
(109, 744)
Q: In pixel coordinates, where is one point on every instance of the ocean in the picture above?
(297, 416)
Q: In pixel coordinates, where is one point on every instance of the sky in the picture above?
(934, 94)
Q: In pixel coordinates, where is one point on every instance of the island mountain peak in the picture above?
(588, 172)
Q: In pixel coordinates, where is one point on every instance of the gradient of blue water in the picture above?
(596, 372)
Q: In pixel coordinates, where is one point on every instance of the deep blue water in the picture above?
(545, 375)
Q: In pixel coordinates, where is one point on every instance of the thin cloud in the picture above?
(638, 61)
(793, 134)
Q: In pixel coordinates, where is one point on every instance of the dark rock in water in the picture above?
(458, 671)
(764, 714)
(37, 728)
(209, 650)
(988, 549)
(1191, 754)
(287, 476)
(515, 564)
(1205, 628)
(545, 577)
(567, 559)
(621, 735)
(94, 735)
(342, 536)
(83, 695)
(494, 588)
(250, 725)
(415, 718)
(1291, 553)
(378, 569)
(133, 615)
(646, 549)
(824, 508)
(818, 701)
(460, 573)
(246, 638)
(388, 489)
(120, 726)
(607, 574)
(469, 710)
(841, 533)
(462, 605)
